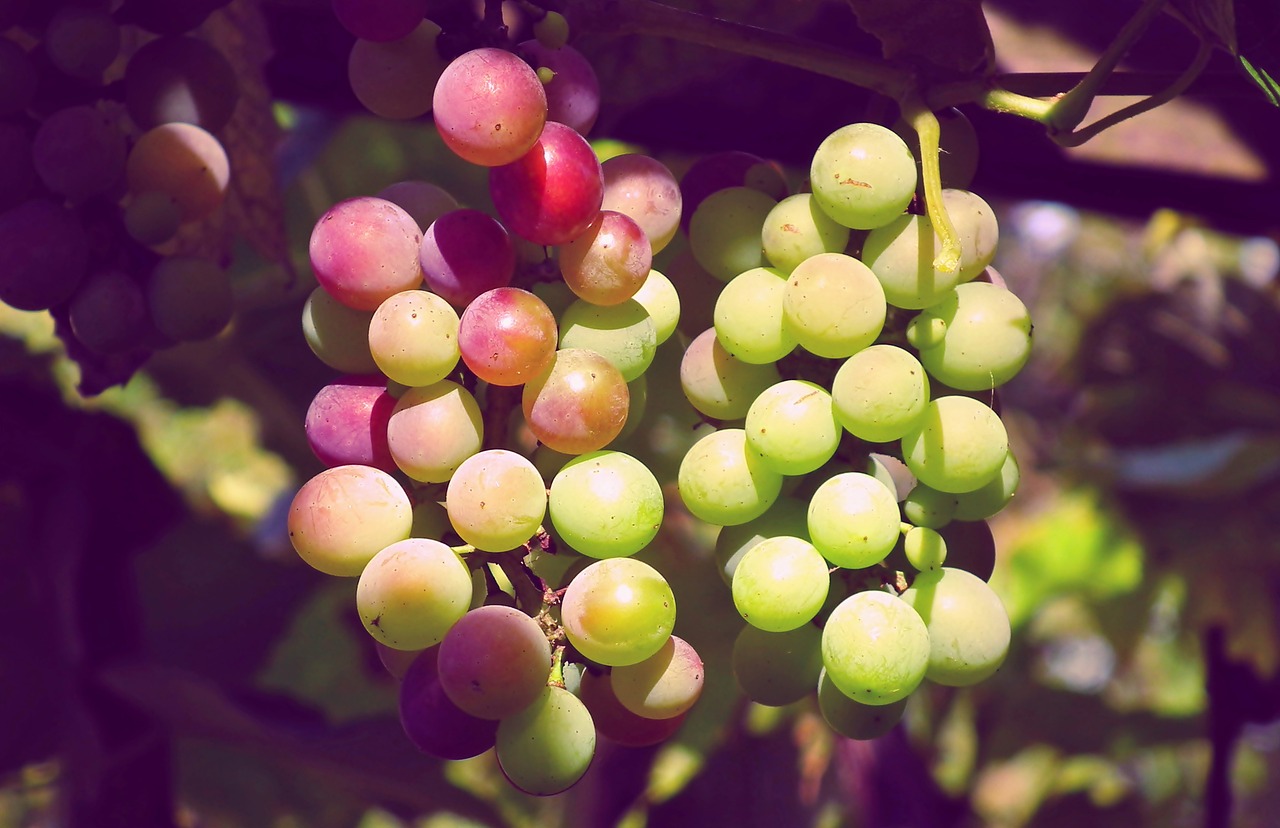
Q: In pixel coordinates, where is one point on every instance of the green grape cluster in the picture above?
(496, 483)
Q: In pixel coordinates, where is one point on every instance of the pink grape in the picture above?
(609, 262)
(346, 422)
(364, 250)
(507, 336)
(464, 253)
(577, 404)
(494, 662)
(435, 724)
(618, 724)
(489, 106)
(433, 429)
(643, 188)
(552, 193)
(345, 515)
(380, 20)
(573, 95)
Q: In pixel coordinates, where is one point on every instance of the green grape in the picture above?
(925, 548)
(792, 428)
(991, 497)
(496, 500)
(854, 719)
(412, 592)
(901, 253)
(880, 393)
(958, 446)
(780, 584)
(777, 668)
(833, 305)
(430, 520)
(787, 516)
(924, 506)
(796, 228)
(547, 747)
(664, 685)
(863, 175)
(724, 232)
(660, 298)
(875, 647)
(719, 385)
(622, 333)
(976, 338)
(748, 317)
(618, 611)
(433, 429)
(853, 520)
(723, 482)
(338, 335)
(968, 627)
(606, 504)
(345, 515)
(494, 662)
(413, 337)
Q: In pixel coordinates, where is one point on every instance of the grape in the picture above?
(618, 724)
(924, 506)
(854, 719)
(792, 428)
(880, 393)
(796, 228)
(663, 686)
(152, 218)
(345, 515)
(189, 298)
(494, 662)
(624, 334)
(976, 338)
(853, 520)
(958, 446)
(44, 254)
(411, 592)
(698, 289)
(17, 168)
(79, 152)
(989, 498)
(717, 384)
(364, 250)
(924, 547)
(748, 317)
(496, 500)
(780, 584)
(618, 611)
(863, 176)
(723, 482)
(970, 546)
(787, 516)
(606, 504)
(338, 335)
(724, 233)
(108, 312)
(578, 404)
(875, 647)
(573, 95)
(379, 20)
(465, 253)
(662, 301)
(551, 30)
(731, 168)
(435, 724)
(184, 162)
(180, 79)
(489, 106)
(968, 626)
(433, 429)
(396, 79)
(423, 200)
(609, 262)
(430, 520)
(644, 189)
(346, 423)
(395, 662)
(833, 305)
(547, 747)
(777, 668)
(552, 193)
(413, 337)
(507, 336)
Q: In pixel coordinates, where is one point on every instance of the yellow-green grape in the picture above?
(606, 504)
(780, 584)
(924, 506)
(413, 337)
(748, 317)
(412, 592)
(724, 232)
(975, 338)
(777, 668)
(959, 445)
(984, 501)
(547, 747)
(618, 611)
(875, 647)
(624, 334)
(833, 305)
(722, 481)
(718, 384)
(664, 685)
(968, 627)
(796, 228)
(660, 298)
(787, 516)
(863, 175)
(925, 548)
(880, 393)
(854, 719)
(853, 520)
(496, 500)
(792, 428)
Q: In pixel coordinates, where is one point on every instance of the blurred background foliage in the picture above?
(168, 651)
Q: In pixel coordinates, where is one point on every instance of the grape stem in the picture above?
(530, 589)
(556, 679)
(925, 123)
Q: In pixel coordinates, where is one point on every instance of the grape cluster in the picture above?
(108, 128)
(494, 362)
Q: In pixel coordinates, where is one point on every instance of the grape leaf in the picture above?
(938, 37)
(1226, 23)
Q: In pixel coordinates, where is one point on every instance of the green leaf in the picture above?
(936, 36)
(1263, 79)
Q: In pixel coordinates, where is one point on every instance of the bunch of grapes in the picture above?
(109, 122)
(494, 363)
